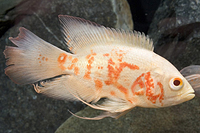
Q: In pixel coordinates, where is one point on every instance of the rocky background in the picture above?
(174, 29)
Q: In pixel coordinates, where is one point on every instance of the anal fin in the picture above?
(55, 88)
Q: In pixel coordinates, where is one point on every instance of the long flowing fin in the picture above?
(103, 115)
(33, 60)
(80, 33)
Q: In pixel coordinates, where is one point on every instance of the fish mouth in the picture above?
(187, 95)
(180, 98)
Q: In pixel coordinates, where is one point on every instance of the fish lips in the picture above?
(180, 98)
(188, 95)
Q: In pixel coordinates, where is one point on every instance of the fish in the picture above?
(108, 69)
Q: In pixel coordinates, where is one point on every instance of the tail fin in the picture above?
(33, 60)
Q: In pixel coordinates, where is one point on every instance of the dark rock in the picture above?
(22, 110)
(175, 31)
(181, 118)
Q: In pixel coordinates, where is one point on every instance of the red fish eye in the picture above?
(177, 82)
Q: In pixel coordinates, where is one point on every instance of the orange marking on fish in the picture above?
(112, 93)
(38, 58)
(90, 59)
(98, 84)
(39, 61)
(120, 60)
(162, 93)
(114, 71)
(110, 61)
(88, 56)
(87, 75)
(76, 70)
(40, 55)
(74, 60)
(121, 88)
(106, 54)
(120, 53)
(70, 67)
(131, 66)
(150, 87)
(92, 54)
(140, 92)
(46, 59)
(89, 66)
(100, 67)
(130, 101)
(43, 58)
(61, 60)
(70, 57)
(139, 82)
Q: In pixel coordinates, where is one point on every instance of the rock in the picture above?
(174, 28)
(7, 5)
(175, 31)
(6, 14)
(22, 110)
(181, 118)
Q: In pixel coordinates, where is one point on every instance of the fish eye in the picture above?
(176, 83)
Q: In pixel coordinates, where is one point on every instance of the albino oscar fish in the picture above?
(112, 64)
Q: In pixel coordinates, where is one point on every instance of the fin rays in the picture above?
(30, 61)
(192, 75)
(80, 33)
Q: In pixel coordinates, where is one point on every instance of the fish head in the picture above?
(176, 89)
(165, 86)
(173, 88)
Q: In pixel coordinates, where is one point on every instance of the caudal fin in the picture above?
(33, 60)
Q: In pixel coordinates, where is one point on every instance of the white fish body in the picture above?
(106, 63)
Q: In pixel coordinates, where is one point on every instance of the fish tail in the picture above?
(33, 59)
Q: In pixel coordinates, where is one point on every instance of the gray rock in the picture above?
(22, 110)
(182, 118)
(175, 33)
(7, 5)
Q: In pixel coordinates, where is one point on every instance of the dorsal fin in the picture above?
(80, 33)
